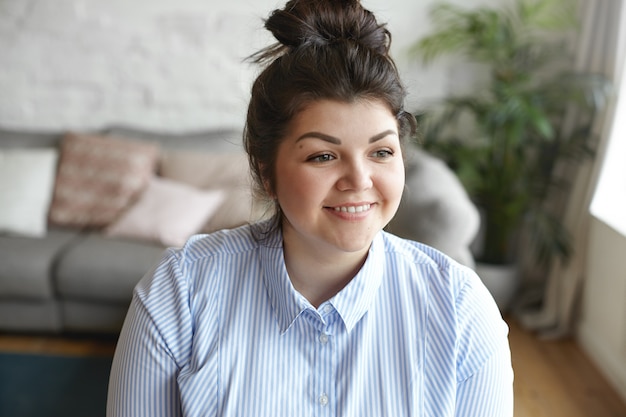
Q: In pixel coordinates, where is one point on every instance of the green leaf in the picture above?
(526, 117)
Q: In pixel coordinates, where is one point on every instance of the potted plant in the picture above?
(513, 139)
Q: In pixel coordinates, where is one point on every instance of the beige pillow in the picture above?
(98, 177)
(237, 209)
(229, 171)
(168, 212)
(205, 170)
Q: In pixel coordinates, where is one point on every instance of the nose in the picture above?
(356, 176)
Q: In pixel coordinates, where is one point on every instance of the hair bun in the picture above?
(325, 22)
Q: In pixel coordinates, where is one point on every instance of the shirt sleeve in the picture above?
(489, 391)
(484, 370)
(151, 347)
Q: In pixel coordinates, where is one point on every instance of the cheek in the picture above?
(393, 184)
(296, 186)
(311, 187)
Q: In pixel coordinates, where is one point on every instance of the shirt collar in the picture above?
(351, 303)
(287, 303)
(356, 298)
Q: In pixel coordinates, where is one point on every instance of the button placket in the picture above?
(325, 362)
(327, 309)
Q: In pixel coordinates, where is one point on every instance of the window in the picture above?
(609, 200)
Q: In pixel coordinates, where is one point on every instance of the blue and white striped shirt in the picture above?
(217, 329)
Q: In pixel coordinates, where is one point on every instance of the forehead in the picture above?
(341, 118)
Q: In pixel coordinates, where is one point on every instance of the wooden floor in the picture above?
(58, 345)
(552, 378)
(556, 379)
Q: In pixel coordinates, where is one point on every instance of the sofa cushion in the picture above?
(93, 316)
(20, 315)
(435, 208)
(168, 212)
(98, 177)
(27, 264)
(26, 183)
(104, 269)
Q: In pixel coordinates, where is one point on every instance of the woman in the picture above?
(318, 311)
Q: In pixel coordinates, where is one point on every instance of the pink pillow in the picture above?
(168, 212)
(212, 171)
(98, 177)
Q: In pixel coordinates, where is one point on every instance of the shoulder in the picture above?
(430, 261)
(450, 288)
(419, 252)
(220, 249)
(204, 261)
(226, 242)
(460, 310)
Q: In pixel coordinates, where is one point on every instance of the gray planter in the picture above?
(502, 281)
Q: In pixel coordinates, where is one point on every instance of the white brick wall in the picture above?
(160, 64)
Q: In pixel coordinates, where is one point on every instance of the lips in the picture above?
(352, 209)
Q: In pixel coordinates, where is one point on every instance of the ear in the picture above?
(268, 189)
(267, 185)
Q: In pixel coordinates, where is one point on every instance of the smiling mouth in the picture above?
(352, 209)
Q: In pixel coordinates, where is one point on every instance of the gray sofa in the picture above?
(78, 279)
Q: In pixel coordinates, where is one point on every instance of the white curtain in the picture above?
(598, 51)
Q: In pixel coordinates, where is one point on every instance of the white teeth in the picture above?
(353, 209)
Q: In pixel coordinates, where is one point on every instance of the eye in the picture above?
(325, 157)
(382, 153)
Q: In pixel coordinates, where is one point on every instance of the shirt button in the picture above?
(323, 400)
(327, 308)
(323, 338)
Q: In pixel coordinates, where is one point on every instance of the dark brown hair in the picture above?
(327, 49)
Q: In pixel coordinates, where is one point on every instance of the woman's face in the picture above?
(339, 176)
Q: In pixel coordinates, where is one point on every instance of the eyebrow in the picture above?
(337, 141)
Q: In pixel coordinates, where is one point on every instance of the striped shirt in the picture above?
(217, 329)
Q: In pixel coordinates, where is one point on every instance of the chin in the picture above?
(354, 244)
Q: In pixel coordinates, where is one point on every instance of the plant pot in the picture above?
(502, 281)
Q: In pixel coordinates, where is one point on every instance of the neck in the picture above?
(318, 278)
